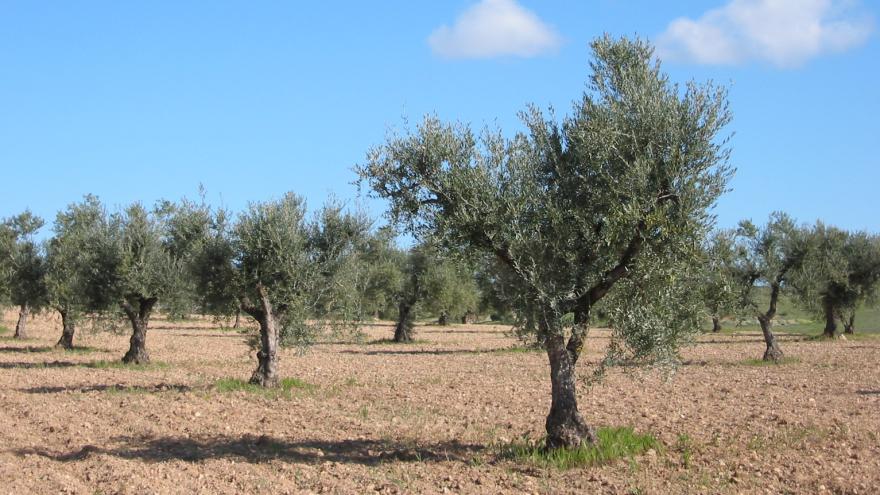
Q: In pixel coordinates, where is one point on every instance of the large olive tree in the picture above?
(768, 258)
(133, 268)
(613, 195)
(68, 262)
(292, 275)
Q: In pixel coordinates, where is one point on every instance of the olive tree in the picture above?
(133, 269)
(768, 257)
(718, 284)
(842, 271)
(293, 276)
(383, 263)
(613, 195)
(26, 268)
(68, 262)
(451, 290)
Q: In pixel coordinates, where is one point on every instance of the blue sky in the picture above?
(136, 101)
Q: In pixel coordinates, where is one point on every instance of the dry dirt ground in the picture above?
(428, 417)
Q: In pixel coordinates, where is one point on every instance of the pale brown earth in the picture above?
(427, 417)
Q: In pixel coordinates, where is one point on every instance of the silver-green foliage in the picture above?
(24, 261)
(307, 268)
(69, 258)
(571, 206)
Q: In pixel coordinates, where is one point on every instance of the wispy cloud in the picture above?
(493, 28)
(785, 33)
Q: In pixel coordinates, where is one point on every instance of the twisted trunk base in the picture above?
(773, 351)
(403, 331)
(716, 324)
(68, 329)
(266, 374)
(21, 325)
(565, 426)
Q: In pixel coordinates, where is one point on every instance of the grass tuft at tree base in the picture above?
(613, 444)
(284, 389)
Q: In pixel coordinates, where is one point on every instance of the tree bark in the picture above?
(565, 426)
(443, 320)
(468, 318)
(404, 329)
(716, 324)
(773, 352)
(68, 327)
(140, 320)
(266, 374)
(849, 325)
(21, 326)
(830, 321)
(237, 323)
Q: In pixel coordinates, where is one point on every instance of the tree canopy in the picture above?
(622, 184)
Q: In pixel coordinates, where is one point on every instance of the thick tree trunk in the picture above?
(773, 352)
(849, 325)
(830, 322)
(21, 326)
(443, 319)
(468, 318)
(565, 426)
(140, 320)
(266, 374)
(403, 331)
(716, 324)
(237, 323)
(68, 327)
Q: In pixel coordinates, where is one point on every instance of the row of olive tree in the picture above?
(828, 271)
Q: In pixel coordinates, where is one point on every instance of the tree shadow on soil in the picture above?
(426, 352)
(161, 387)
(868, 392)
(53, 364)
(256, 449)
(27, 349)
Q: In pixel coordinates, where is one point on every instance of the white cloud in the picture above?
(493, 28)
(785, 33)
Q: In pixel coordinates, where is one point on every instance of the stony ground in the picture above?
(430, 417)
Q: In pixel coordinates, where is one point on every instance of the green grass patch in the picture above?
(613, 444)
(4, 330)
(107, 365)
(761, 362)
(517, 350)
(285, 388)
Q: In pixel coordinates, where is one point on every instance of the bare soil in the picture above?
(428, 417)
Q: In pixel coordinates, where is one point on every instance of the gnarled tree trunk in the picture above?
(403, 331)
(443, 320)
(21, 326)
(773, 352)
(68, 327)
(266, 374)
(716, 324)
(565, 426)
(830, 322)
(140, 319)
(849, 325)
(237, 322)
